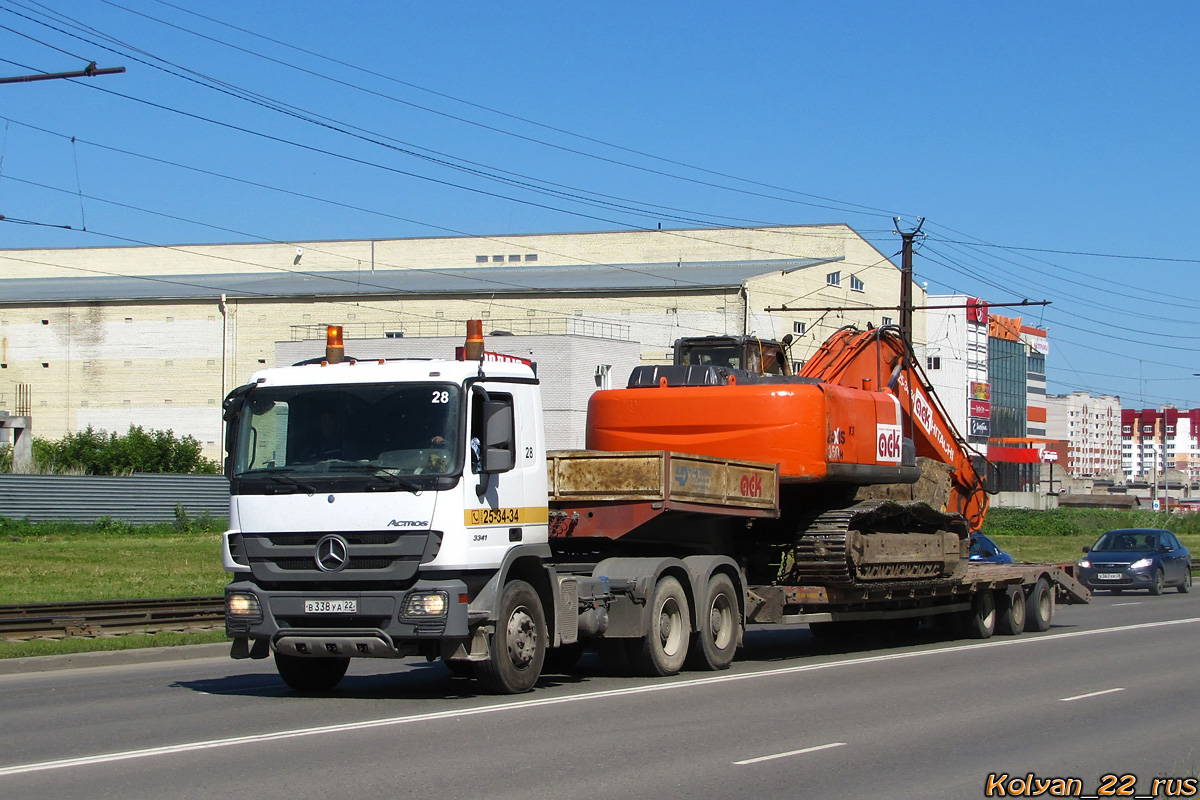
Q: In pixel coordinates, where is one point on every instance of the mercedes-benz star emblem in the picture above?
(332, 554)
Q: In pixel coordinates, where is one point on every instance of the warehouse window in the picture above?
(531, 256)
(887, 320)
(856, 285)
(933, 362)
(834, 279)
(514, 258)
(799, 328)
(498, 259)
(481, 259)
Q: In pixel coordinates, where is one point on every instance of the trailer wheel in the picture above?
(664, 648)
(1010, 605)
(1039, 606)
(518, 647)
(714, 645)
(980, 621)
(311, 674)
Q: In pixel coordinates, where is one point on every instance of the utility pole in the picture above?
(906, 278)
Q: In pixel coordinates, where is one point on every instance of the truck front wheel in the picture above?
(518, 647)
(664, 648)
(311, 674)
(714, 645)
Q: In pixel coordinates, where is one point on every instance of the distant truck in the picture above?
(398, 508)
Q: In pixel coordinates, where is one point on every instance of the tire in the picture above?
(664, 648)
(1186, 586)
(310, 675)
(1039, 606)
(517, 649)
(980, 621)
(1010, 611)
(720, 621)
(1157, 587)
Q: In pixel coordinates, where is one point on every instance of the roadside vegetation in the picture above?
(1059, 535)
(92, 452)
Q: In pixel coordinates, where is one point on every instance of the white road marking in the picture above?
(1091, 694)
(1118, 605)
(520, 705)
(790, 753)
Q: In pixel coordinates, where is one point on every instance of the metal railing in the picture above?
(528, 326)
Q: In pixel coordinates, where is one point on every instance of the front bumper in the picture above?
(1115, 578)
(378, 628)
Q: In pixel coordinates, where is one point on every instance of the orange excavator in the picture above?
(876, 485)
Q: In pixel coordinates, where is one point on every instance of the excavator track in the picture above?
(872, 542)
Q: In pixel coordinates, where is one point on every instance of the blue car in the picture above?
(1136, 558)
(986, 551)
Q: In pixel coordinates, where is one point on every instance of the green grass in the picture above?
(79, 644)
(104, 566)
(52, 562)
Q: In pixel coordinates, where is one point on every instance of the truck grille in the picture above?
(289, 558)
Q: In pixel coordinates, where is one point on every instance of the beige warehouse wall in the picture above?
(168, 363)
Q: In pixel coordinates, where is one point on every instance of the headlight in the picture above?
(426, 604)
(243, 605)
(1085, 563)
(1144, 563)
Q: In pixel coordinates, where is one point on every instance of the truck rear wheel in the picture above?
(715, 644)
(1010, 607)
(311, 674)
(980, 621)
(1039, 606)
(664, 648)
(518, 647)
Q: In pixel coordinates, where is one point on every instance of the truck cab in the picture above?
(377, 508)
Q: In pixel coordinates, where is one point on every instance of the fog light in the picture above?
(243, 605)
(426, 604)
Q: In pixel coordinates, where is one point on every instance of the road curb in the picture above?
(107, 658)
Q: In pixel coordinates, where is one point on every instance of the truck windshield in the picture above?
(401, 430)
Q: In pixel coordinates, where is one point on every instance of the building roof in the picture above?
(683, 276)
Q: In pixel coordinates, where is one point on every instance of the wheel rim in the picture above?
(720, 622)
(1043, 605)
(521, 637)
(670, 627)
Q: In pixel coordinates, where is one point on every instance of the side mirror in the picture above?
(1087, 549)
(497, 451)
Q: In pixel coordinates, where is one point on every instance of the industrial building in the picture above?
(156, 336)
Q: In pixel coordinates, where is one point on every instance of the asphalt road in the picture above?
(1110, 689)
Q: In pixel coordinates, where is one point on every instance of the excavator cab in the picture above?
(748, 353)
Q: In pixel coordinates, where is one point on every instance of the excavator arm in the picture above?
(880, 360)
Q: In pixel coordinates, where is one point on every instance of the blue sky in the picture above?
(1047, 131)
